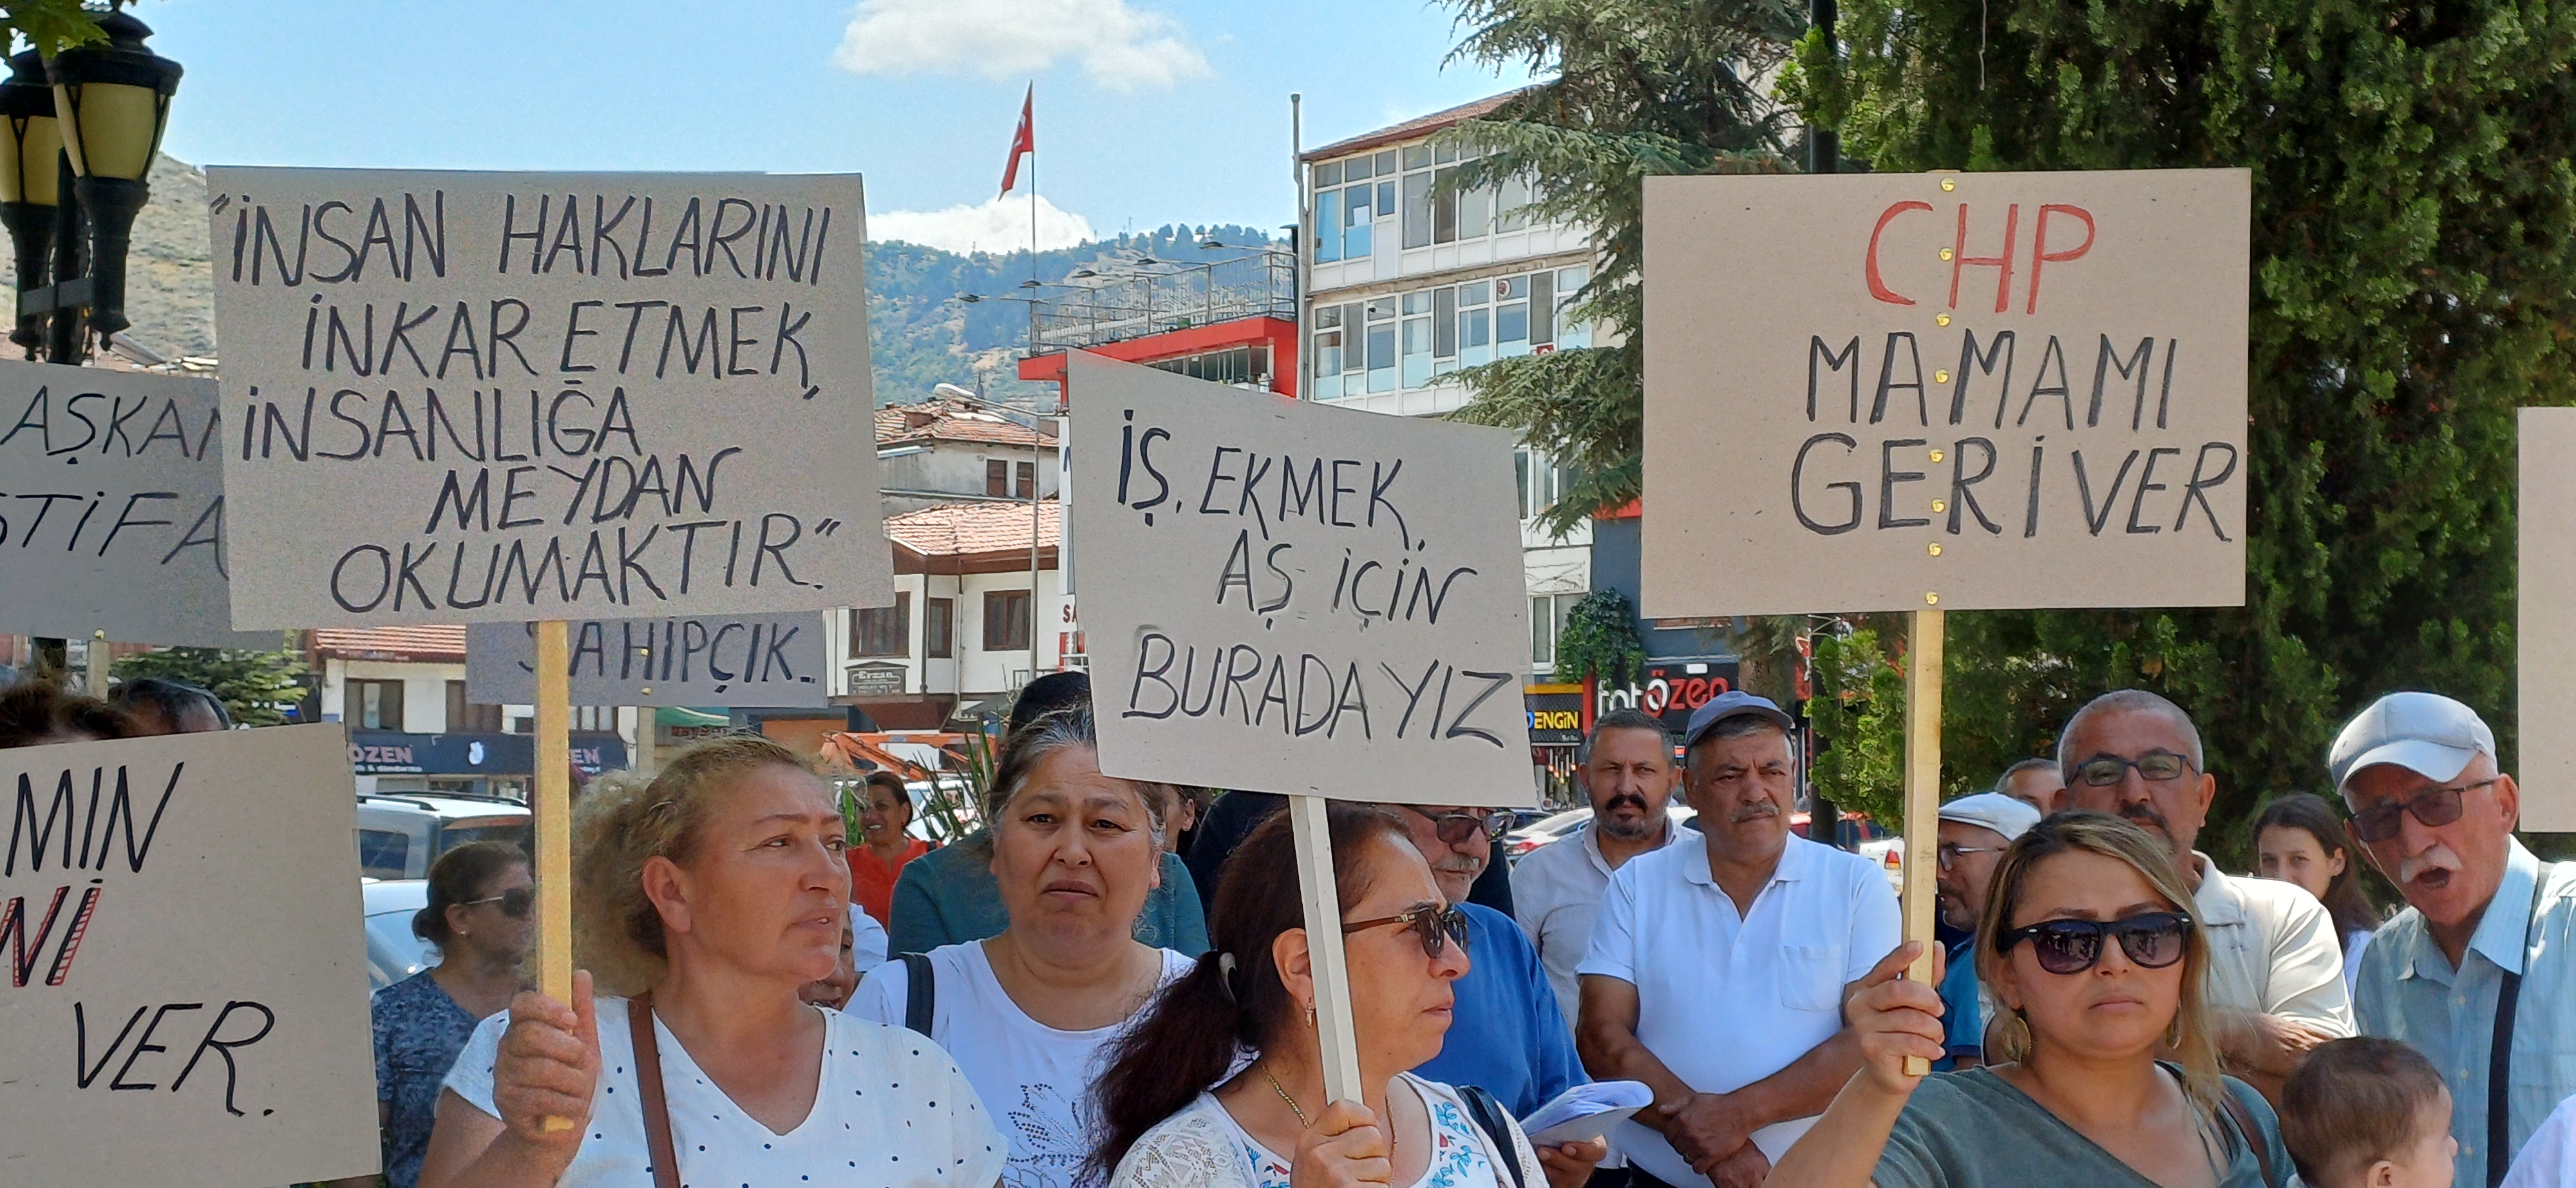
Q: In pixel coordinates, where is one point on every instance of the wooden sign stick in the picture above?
(1922, 793)
(1333, 1030)
(554, 818)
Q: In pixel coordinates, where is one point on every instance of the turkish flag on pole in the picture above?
(1024, 141)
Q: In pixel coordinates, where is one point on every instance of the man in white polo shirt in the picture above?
(1716, 971)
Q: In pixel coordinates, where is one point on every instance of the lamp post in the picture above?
(78, 135)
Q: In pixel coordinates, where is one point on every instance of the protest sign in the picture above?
(768, 660)
(2545, 630)
(112, 507)
(185, 999)
(1979, 390)
(506, 397)
(1294, 598)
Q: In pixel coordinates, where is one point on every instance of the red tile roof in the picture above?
(969, 529)
(1413, 129)
(440, 644)
(948, 419)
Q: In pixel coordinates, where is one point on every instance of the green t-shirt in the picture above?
(1973, 1128)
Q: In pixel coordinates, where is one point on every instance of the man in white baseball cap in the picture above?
(2448, 975)
(1975, 831)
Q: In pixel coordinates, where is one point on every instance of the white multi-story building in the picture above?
(1407, 285)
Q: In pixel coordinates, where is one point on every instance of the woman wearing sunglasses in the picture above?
(1221, 1084)
(704, 901)
(2088, 942)
(478, 916)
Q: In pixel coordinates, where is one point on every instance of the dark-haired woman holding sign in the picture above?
(2089, 943)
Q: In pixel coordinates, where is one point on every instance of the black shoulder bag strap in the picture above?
(2245, 1129)
(920, 992)
(1487, 1114)
(648, 1080)
(2500, 1049)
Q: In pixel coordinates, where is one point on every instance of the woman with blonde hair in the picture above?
(2108, 1073)
(703, 901)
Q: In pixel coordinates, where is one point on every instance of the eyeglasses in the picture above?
(2102, 771)
(1460, 828)
(1434, 923)
(1948, 855)
(2153, 940)
(515, 903)
(2434, 808)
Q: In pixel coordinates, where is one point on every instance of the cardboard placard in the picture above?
(112, 508)
(2545, 665)
(1965, 391)
(505, 397)
(767, 660)
(183, 991)
(1294, 598)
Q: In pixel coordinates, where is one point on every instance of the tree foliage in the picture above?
(51, 26)
(1859, 704)
(1639, 87)
(2415, 270)
(256, 687)
(1600, 639)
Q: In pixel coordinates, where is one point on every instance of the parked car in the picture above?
(399, 835)
(1558, 826)
(393, 953)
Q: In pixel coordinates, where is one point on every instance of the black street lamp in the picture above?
(81, 132)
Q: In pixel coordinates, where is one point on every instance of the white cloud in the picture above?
(1001, 225)
(1119, 47)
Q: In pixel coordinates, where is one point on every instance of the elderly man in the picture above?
(1974, 832)
(1717, 970)
(1627, 771)
(2275, 986)
(2483, 959)
(2035, 782)
(1505, 1031)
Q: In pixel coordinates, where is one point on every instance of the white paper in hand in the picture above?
(1586, 1112)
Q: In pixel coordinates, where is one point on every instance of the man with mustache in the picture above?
(1628, 772)
(2275, 987)
(2486, 948)
(1506, 1034)
(1717, 970)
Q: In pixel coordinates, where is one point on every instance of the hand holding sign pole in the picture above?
(1291, 598)
(1981, 391)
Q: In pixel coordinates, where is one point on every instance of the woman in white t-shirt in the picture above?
(1221, 1084)
(1027, 1012)
(712, 894)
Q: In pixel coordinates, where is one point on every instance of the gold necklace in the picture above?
(1282, 1091)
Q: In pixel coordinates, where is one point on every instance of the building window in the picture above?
(594, 718)
(938, 626)
(375, 705)
(881, 630)
(1024, 481)
(1570, 334)
(467, 717)
(1006, 620)
(1328, 215)
(1542, 481)
(1547, 617)
(997, 477)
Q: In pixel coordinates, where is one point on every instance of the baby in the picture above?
(2368, 1113)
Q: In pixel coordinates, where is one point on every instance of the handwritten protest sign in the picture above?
(770, 660)
(2545, 631)
(112, 507)
(1294, 598)
(1978, 390)
(183, 998)
(499, 397)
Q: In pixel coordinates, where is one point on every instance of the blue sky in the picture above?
(1149, 111)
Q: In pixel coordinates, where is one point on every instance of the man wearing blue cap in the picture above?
(2479, 971)
(1716, 970)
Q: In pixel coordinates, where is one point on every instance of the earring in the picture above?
(1310, 1018)
(2016, 1037)
(2173, 1033)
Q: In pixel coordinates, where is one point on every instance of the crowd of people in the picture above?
(1061, 1009)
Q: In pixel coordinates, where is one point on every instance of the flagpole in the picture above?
(1034, 456)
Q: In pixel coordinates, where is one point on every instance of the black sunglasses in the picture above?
(2152, 940)
(1460, 827)
(515, 903)
(2435, 808)
(1432, 922)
